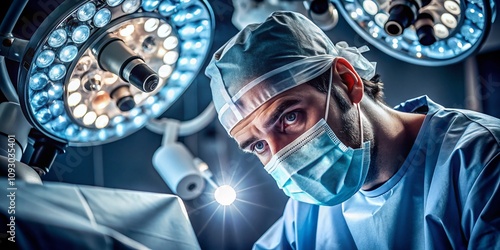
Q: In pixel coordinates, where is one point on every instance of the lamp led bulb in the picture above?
(80, 111)
(38, 81)
(151, 24)
(45, 58)
(89, 118)
(74, 85)
(102, 18)
(57, 38)
(86, 12)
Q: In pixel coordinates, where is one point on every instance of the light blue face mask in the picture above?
(317, 168)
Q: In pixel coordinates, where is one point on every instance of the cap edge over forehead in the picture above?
(266, 59)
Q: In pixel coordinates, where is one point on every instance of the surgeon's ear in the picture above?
(351, 79)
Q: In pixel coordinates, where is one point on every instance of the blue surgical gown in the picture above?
(444, 196)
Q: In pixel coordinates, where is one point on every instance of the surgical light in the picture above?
(225, 195)
(445, 31)
(97, 70)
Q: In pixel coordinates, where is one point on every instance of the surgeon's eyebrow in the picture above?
(245, 144)
(279, 111)
(275, 115)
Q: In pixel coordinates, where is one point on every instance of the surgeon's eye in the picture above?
(292, 122)
(259, 147)
(290, 118)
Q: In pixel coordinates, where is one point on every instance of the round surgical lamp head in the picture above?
(96, 70)
(423, 32)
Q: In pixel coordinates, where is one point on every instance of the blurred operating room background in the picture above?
(127, 163)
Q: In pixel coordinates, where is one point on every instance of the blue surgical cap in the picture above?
(266, 59)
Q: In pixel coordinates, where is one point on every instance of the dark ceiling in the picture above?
(259, 202)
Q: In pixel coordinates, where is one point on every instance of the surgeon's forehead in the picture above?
(303, 93)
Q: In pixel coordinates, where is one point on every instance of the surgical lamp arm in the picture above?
(12, 48)
(187, 127)
(9, 21)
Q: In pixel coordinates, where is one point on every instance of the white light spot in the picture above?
(151, 25)
(171, 94)
(165, 71)
(225, 195)
(80, 111)
(101, 121)
(170, 57)
(359, 11)
(381, 19)
(74, 84)
(164, 30)
(170, 43)
(370, 7)
(89, 118)
(110, 78)
(449, 20)
(441, 31)
(127, 31)
(74, 99)
(452, 7)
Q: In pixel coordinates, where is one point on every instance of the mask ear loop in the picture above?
(360, 125)
(328, 97)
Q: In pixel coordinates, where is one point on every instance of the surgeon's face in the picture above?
(279, 121)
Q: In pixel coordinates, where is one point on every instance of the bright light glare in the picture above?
(165, 71)
(370, 7)
(170, 57)
(110, 78)
(102, 121)
(80, 111)
(170, 43)
(127, 31)
(74, 99)
(151, 24)
(89, 118)
(225, 195)
(164, 30)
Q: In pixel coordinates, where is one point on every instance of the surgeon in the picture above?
(360, 174)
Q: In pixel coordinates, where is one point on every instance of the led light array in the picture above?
(89, 92)
(71, 98)
(458, 25)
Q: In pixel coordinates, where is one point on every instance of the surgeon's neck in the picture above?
(394, 134)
